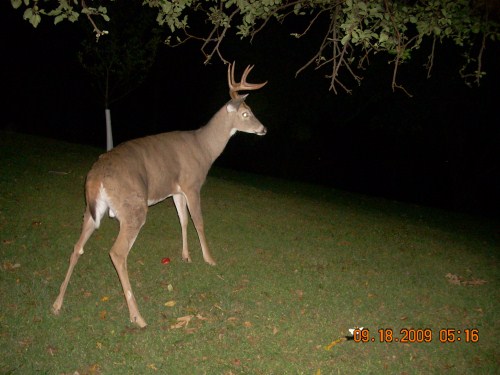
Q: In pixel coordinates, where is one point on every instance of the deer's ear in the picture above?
(234, 104)
(232, 107)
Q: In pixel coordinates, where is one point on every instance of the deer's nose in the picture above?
(262, 131)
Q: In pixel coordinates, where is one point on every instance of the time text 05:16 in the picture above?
(411, 335)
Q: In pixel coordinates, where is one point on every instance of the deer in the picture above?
(139, 173)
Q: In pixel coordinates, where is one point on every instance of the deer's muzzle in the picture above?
(262, 131)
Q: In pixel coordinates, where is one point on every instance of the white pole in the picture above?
(109, 132)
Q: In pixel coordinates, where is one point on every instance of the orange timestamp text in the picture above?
(412, 335)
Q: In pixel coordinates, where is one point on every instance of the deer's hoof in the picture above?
(56, 309)
(139, 321)
(211, 262)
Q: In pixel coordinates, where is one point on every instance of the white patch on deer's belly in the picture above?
(157, 200)
(154, 201)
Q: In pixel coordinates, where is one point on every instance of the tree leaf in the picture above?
(16, 3)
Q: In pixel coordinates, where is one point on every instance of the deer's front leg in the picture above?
(194, 205)
(181, 206)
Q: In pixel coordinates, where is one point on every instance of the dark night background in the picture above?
(439, 148)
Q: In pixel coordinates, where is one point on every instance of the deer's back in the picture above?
(154, 167)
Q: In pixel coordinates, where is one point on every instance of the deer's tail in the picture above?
(97, 200)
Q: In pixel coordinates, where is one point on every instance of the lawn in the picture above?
(298, 265)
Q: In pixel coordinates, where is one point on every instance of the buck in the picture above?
(142, 172)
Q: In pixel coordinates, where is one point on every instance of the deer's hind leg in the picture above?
(88, 228)
(131, 223)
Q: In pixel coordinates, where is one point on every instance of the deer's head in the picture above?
(243, 118)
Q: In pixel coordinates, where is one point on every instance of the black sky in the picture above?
(438, 148)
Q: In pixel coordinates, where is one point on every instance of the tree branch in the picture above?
(97, 31)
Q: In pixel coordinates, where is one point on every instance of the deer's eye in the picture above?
(245, 114)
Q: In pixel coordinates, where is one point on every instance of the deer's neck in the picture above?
(214, 136)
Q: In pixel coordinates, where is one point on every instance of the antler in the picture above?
(234, 87)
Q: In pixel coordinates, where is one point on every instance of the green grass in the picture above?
(298, 265)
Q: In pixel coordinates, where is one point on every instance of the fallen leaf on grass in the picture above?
(102, 315)
(52, 350)
(335, 342)
(152, 367)
(7, 242)
(475, 282)
(459, 280)
(453, 279)
(95, 369)
(183, 321)
(239, 288)
(8, 266)
(171, 303)
(105, 299)
(247, 324)
(201, 317)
